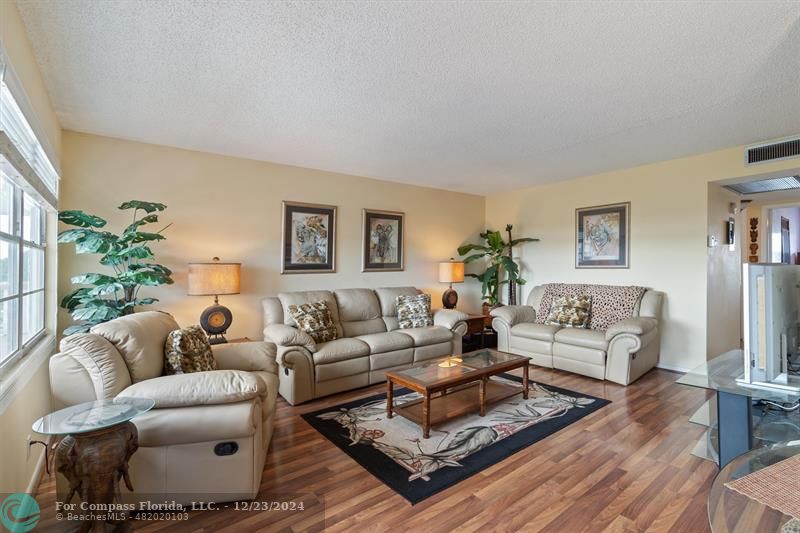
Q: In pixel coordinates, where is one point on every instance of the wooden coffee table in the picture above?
(454, 386)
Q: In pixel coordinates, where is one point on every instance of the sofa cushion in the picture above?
(570, 311)
(382, 360)
(539, 332)
(187, 350)
(198, 388)
(200, 423)
(357, 366)
(315, 320)
(386, 342)
(428, 335)
(573, 352)
(388, 298)
(307, 297)
(414, 311)
(359, 312)
(340, 350)
(588, 338)
(140, 339)
(101, 361)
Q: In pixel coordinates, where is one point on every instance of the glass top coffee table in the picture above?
(454, 386)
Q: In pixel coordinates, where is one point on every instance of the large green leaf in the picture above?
(495, 241)
(141, 222)
(151, 266)
(71, 235)
(92, 279)
(96, 310)
(142, 236)
(78, 328)
(81, 219)
(147, 207)
(146, 277)
(515, 242)
(134, 252)
(467, 248)
(474, 257)
(106, 289)
(75, 298)
(95, 242)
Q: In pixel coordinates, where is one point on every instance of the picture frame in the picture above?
(308, 238)
(602, 236)
(383, 241)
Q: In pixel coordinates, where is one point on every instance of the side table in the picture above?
(478, 325)
(98, 441)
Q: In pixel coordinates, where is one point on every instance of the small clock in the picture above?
(216, 320)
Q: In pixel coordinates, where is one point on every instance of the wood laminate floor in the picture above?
(625, 468)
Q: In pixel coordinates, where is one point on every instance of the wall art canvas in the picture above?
(383, 241)
(309, 238)
(602, 236)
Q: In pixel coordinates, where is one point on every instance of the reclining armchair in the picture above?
(193, 413)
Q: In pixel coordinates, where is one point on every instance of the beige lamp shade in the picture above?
(212, 279)
(451, 271)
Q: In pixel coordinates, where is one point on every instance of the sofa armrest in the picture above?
(448, 318)
(250, 356)
(514, 314)
(284, 335)
(633, 326)
(198, 388)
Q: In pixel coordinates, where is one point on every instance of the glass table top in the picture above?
(456, 366)
(92, 416)
(720, 374)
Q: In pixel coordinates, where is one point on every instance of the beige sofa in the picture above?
(621, 353)
(370, 342)
(193, 412)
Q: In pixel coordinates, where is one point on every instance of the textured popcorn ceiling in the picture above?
(472, 96)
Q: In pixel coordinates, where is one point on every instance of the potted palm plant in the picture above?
(497, 252)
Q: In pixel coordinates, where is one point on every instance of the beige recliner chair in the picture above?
(193, 412)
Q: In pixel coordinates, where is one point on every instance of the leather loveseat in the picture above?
(369, 341)
(193, 413)
(624, 347)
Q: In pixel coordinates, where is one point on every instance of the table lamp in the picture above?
(451, 272)
(213, 279)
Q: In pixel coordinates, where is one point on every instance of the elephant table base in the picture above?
(94, 464)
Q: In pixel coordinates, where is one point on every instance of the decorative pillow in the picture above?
(316, 320)
(414, 311)
(187, 350)
(570, 311)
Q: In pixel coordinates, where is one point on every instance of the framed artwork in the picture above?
(382, 248)
(309, 238)
(602, 236)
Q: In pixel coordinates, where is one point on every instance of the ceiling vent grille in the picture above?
(783, 149)
(767, 185)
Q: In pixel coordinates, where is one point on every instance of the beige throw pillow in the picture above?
(570, 312)
(316, 320)
(414, 311)
(187, 350)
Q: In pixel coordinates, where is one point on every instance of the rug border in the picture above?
(504, 452)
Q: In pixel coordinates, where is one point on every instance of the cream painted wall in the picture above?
(724, 283)
(668, 235)
(231, 208)
(33, 399)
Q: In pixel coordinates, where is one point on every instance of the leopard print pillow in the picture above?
(570, 312)
(316, 320)
(187, 350)
(414, 311)
(610, 303)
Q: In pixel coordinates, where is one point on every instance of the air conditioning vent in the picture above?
(773, 151)
(768, 185)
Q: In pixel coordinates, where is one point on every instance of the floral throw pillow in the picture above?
(570, 311)
(187, 350)
(414, 311)
(316, 320)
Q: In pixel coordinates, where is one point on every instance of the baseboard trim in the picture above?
(41, 466)
(673, 368)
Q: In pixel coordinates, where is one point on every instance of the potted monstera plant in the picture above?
(101, 297)
(498, 254)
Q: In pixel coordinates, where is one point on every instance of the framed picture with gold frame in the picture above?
(383, 236)
(308, 238)
(602, 236)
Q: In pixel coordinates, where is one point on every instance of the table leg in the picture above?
(389, 398)
(426, 416)
(525, 381)
(735, 421)
(482, 395)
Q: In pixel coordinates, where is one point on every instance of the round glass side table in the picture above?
(732, 512)
(98, 441)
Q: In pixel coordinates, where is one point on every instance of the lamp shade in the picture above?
(451, 271)
(212, 279)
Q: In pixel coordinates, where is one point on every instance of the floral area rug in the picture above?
(393, 450)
